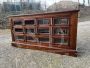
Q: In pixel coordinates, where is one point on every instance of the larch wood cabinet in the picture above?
(52, 32)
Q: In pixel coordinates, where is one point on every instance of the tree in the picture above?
(89, 2)
(21, 5)
(15, 6)
(84, 2)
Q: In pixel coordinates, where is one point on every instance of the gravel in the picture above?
(11, 57)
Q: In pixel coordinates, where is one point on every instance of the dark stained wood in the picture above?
(66, 44)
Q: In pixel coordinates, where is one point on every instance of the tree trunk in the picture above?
(84, 2)
(15, 6)
(21, 5)
(28, 4)
(88, 2)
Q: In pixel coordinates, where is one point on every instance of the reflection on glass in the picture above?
(43, 30)
(19, 37)
(17, 22)
(29, 38)
(43, 21)
(59, 21)
(18, 30)
(61, 31)
(61, 41)
(30, 31)
(43, 39)
(64, 21)
(29, 22)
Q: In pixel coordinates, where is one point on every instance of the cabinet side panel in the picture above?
(73, 30)
(11, 27)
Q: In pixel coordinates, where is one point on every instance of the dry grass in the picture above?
(4, 31)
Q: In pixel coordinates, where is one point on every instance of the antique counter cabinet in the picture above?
(52, 32)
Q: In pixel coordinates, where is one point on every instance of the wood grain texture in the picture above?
(50, 46)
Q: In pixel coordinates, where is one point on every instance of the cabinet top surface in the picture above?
(45, 13)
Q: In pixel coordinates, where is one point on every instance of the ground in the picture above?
(11, 57)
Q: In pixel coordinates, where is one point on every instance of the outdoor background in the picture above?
(14, 7)
(11, 57)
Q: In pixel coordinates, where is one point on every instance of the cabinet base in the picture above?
(61, 51)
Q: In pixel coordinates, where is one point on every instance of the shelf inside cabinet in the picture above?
(19, 34)
(42, 35)
(61, 36)
(61, 26)
(18, 26)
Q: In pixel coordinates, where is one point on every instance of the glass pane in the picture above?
(18, 30)
(17, 22)
(59, 21)
(43, 30)
(19, 37)
(30, 31)
(60, 31)
(29, 38)
(61, 41)
(29, 22)
(40, 21)
(43, 39)
(43, 21)
(57, 40)
(64, 21)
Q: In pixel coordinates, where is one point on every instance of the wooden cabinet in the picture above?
(53, 32)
